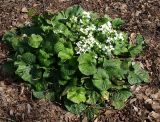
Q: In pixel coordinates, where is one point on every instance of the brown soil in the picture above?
(142, 16)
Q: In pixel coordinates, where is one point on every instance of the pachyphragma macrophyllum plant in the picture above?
(77, 58)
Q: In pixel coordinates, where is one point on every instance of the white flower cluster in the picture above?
(105, 28)
(85, 17)
(74, 19)
(88, 30)
(86, 14)
(88, 41)
(86, 44)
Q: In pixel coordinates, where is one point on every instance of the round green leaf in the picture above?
(101, 80)
(35, 40)
(65, 54)
(75, 108)
(29, 58)
(87, 64)
(92, 97)
(87, 69)
(76, 94)
(118, 98)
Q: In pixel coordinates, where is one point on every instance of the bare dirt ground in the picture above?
(16, 103)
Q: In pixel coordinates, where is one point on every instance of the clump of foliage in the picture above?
(77, 58)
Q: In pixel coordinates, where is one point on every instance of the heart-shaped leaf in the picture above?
(101, 80)
(77, 94)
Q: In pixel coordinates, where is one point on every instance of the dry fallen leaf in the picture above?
(24, 10)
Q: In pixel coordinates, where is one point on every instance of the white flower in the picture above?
(27, 23)
(24, 35)
(121, 36)
(81, 21)
(86, 14)
(74, 19)
(109, 24)
(81, 29)
(108, 40)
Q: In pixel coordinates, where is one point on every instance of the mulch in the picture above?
(16, 103)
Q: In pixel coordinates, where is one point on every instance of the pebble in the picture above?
(135, 108)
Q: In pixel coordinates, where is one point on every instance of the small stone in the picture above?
(29, 108)
(24, 10)
(133, 100)
(135, 108)
(11, 112)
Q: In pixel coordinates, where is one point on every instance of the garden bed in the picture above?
(16, 101)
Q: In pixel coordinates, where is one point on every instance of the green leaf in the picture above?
(23, 71)
(133, 78)
(92, 97)
(76, 10)
(139, 39)
(105, 95)
(29, 58)
(75, 108)
(117, 22)
(73, 11)
(8, 36)
(67, 69)
(44, 58)
(101, 80)
(76, 94)
(8, 68)
(135, 50)
(113, 68)
(46, 73)
(87, 69)
(38, 94)
(65, 54)
(59, 46)
(50, 96)
(125, 66)
(118, 98)
(39, 86)
(91, 113)
(35, 40)
(138, 75)
(87, 64)
(63, 82)
(120, 48)
(143, 75)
